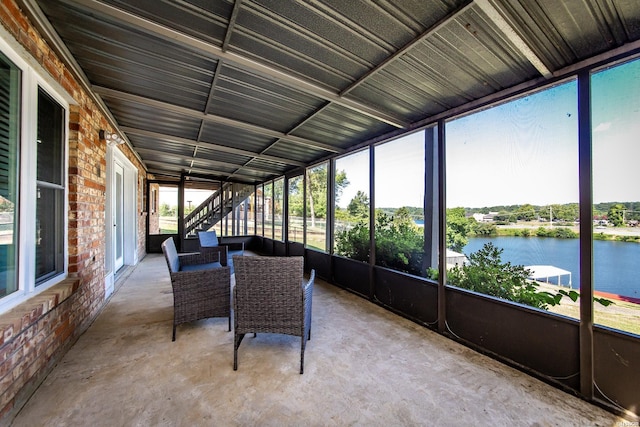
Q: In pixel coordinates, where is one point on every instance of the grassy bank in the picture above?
(621, 315)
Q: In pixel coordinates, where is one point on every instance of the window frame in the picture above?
(34, 77)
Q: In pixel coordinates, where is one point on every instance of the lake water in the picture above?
(616, 264)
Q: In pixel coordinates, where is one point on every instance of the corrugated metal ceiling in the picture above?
(247, 90)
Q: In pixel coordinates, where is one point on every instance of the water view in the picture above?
(615, 263)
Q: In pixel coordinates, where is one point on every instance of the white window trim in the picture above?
(32, 77)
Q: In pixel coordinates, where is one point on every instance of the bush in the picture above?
(399, 245)
(487, 274)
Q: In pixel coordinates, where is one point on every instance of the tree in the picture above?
(616, 214)
(166, 210)
(358, 207)
(525, 212)
(403, 217)
(458, 228)
(317, 185)
(295, 196)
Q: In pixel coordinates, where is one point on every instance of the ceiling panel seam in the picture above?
(231, 26)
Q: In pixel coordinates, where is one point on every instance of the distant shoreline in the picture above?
(622, 234)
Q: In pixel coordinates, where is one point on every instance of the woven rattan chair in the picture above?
(201, 286)
(208, 241)
(271, 296)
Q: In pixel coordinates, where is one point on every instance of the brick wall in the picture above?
(37, 333)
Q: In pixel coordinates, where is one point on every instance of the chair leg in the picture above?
(174, 333)
(302, 354)
(237, 339)
(229, 323)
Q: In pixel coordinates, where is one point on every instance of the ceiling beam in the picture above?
(496, 17)
(167, 33)
(406, 48)
(208, 146)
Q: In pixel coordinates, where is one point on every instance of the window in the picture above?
(295, 226)
(239, 206)
(9, 138)
(399, 186)
(512, 193)
(316, 219)
(268, 210)
(260, 210)
(352, 206)
(50, 192)
(33, 170)
(278, 200)
(615, 100)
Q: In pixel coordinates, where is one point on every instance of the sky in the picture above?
(526, 151)
(403, 157)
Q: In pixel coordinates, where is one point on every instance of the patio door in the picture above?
(118, 216)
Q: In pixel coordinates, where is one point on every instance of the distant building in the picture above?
(480, 217)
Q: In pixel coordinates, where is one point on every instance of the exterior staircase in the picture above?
(216, 207)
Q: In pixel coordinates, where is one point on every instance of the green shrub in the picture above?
(399, 244)
(487, 274)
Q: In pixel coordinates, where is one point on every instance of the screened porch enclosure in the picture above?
(376, 138)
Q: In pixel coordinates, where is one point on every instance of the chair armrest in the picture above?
(207, 276)
(220, 251)
(233, 246)
(199, 258)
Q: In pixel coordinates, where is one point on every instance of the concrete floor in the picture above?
(364, 367)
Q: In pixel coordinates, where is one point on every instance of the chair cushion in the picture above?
(208, 239)
(198, 267)
(172, 255)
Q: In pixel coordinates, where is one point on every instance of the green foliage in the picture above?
(615, 215)
(525, 232)
(358, 207)
(484, 229)
(504, 218)
(458, 228)
(317, 184)
(557, 232)
(354, 242)
(526, 212)
(399, 243)
(487, 274)
(166, 210)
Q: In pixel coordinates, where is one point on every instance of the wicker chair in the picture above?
(271, 296)
(201, 286)
(208, 241)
